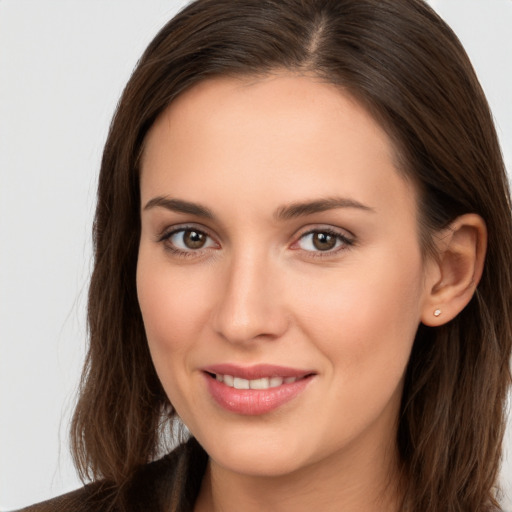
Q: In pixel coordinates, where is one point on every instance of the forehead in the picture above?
(238, 139)
(279, 102)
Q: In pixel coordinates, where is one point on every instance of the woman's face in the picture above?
(279, 252)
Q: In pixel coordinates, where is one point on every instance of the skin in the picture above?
(259, 291)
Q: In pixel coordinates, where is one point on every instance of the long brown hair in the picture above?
(401, 61)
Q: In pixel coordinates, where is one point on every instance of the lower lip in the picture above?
(253, 402)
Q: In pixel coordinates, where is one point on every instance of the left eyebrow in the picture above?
(180, 206)
(302, 209)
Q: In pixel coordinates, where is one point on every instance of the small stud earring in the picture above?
(437, 312)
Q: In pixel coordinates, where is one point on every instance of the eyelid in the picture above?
(165, 236)
(346, 237)
(170, 230)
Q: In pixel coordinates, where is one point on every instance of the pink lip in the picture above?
(253, 402)
(257, 371)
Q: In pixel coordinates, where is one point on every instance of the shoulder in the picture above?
(89, 497)
(175, 478)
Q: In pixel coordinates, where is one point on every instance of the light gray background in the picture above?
(63, 64)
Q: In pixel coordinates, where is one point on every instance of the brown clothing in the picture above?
(170, 484)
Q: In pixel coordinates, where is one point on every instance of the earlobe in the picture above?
(453, 277)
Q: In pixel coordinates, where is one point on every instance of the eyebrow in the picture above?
(180, 206)
(291, 211)
(302, 209)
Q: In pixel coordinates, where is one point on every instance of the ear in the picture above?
(453, 275)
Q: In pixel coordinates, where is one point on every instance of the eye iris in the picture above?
(324, 241)
(194, 239)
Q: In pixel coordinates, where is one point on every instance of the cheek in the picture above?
(173, 307)
(364, 320)
(173, 311)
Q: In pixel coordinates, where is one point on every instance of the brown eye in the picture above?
(328, 241)
(323, 241)
(194, 239)
(188, 240)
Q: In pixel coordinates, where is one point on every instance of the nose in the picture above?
(250, 305)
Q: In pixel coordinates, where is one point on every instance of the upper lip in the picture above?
(258, 371)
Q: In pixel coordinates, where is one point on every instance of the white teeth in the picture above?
(276, 381)
(259, 383)
(263, 383)
(240, 383)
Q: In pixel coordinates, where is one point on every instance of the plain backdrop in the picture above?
(63, 65)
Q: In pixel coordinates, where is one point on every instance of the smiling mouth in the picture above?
(255, 390)
(261, 383)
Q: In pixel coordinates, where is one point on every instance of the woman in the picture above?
(302, 248)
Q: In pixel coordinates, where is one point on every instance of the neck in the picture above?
(345, 481)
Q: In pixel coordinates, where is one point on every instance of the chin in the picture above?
(254, 463)
(256, 455)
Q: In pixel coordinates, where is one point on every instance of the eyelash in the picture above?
(345, 242)
(191, 253)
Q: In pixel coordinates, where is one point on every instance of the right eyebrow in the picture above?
(306, 208)
(180, 206)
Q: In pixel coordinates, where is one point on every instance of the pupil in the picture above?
(194, 240)
(323, 241)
